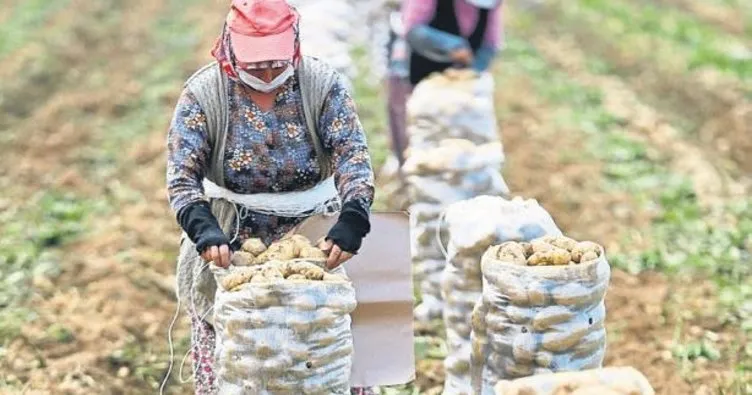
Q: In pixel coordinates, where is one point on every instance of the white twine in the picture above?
(438, 236)
(169, 337)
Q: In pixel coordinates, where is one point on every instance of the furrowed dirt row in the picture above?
(658, 328)
(111, 353)
(712, 106)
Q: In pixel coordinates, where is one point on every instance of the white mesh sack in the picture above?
(326, 28)
(455, 104)
(454, 170)
(284, 337)
(473, 226)
(537, 319)
(606, 381)
(454, 154)
(427, 258)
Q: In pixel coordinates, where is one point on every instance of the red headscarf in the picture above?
(222, 50)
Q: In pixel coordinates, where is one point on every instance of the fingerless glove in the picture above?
(201, 226)
(352, 226)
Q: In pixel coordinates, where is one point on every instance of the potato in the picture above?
(311, 252)
(518, 370)
(294, 244)
(584, 247)
(545, 318)
(527, 248)
(307, 269)
(558, 342)
(510, 258)
(299, 243)
(560, 257)
(524, 348)
(254, 246)
(265, 351)
(588, 256)
(300, 239)
(571, 294)
(242, 258)
(314, 274)
(303, 303)
(562, 242)
(272, 273)
(512, 248)
(544, 359)
(555, 256)
(298, 277)
(518, 315)
(540, 246)
(236, 279)
(538, 295)
(282, 251)
(259, 278)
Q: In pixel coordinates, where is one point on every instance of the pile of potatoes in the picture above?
(255, 252)
(289, 259)
(452, 76)
(549, 251)
(278, 271)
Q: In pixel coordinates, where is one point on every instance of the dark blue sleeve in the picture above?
(483, 58)
(434, 44)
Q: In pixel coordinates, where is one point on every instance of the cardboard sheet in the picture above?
(383, 319)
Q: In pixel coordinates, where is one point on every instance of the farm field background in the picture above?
(630, 121)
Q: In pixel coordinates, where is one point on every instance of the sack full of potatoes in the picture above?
(454, 170)
(542, 310)
(455, 104)
(427, 258)
(473, 226)
(606, 381)
(283, 322)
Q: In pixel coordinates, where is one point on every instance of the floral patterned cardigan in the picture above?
(269, 151)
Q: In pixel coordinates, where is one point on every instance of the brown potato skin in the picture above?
(254, 246)
(242, 258)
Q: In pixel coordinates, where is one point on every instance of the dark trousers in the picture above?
(398, 90)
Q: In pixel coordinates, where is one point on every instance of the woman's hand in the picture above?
(346, 236)
(219, 255)
(463, 56)
(336, 255)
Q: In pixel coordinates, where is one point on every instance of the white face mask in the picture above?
(263, 86)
